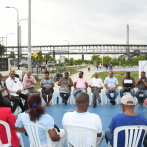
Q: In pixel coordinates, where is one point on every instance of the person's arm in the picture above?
(8, 93)
(137, 83)
(101, 85)
(107, 86)
(59, 83)
(25, 83)
(90, 83)
(33, 81)
(115, 86)
(41, 85)
(145, 83)
(21, 129)
(53, 135)
(4, 88)
(71, 83)
(86, 86)
(75, 85)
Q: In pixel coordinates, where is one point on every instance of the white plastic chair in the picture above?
(19, 72)
(32, 131)
(132, 135)
(7, 128)
(69, 99)
(91, 98)
(107, 99)
(79, 134)
(52, 100)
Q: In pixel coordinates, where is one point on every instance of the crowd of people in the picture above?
(12, 91)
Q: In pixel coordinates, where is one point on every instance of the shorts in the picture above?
(88, 68)
(43, 91)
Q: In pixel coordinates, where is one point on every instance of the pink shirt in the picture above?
(80, 82)
(26, 84)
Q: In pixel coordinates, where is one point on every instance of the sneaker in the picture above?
(113, 102)
(99, 101)
(94, 106)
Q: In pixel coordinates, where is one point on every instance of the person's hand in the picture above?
(58, 137)
(5, 88)
(47, 88)
(127, 89)
(139, 80)
(19, 91)
(75, 89)
(9, 97)
(28, 80)
(85, 89)
(143, 80)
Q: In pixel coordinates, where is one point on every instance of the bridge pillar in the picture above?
(127, 43)
(54, 52)
(82, 56)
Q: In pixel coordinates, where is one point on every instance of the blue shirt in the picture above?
(125, 120)
(111, 82)
(47, 83)
(45, 120)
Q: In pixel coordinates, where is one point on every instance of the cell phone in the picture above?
(4, 84)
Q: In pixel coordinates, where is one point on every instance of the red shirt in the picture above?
(7, 116)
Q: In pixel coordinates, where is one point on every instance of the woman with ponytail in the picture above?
(37, 114)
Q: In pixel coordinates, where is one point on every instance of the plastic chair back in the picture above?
(33, 133)
(132, 135)
(79, 134)
(7, 127)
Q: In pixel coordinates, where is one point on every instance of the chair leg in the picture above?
(91, 99)
(101, 98)
(53, 100)
(106, 100)
(70, 100)
(74, 101)
(21, 140)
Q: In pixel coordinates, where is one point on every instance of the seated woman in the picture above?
(47, 85)
(7, 116)
(65, 88)
(37, 114)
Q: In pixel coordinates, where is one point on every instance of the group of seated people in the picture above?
(11, 89)
(80, 118)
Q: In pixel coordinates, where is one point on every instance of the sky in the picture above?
(78, 21)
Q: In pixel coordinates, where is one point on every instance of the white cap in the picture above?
(127, 98)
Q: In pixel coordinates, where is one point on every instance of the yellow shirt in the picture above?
(88, 66)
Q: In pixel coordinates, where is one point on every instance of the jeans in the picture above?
(7, 102)
(141, 99)
(116, 93)
(78, 90)
(107, 136)
(123, 90)
(65, 96)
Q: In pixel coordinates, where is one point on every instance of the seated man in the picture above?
(128, 117)
(7, 96)
(128, 84)
(15, 87)
(141, 93)
(80, 84)
(28, 84)
(82, 118)
(96, 84)
(111, 84)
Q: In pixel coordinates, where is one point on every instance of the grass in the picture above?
(119, 75)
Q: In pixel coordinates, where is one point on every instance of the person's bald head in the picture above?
(82, 101)
(28, 74)
(96, 74)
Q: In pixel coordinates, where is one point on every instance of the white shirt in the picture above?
(13, 85)
(96, 82)
(88, 120)
(57, 62)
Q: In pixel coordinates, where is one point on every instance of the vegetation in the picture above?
(119, 75)
(2, 50)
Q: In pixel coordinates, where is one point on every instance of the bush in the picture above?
(26, 66)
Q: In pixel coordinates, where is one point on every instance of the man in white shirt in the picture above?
(82, 118)
(96, 84)
(15, 87)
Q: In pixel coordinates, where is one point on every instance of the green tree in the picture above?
(47, 56)
(71, 61)
(2, 50)
(66, 60)
(106, 59)
(136, 60)
(95, 58)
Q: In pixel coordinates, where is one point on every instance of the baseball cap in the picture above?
(127, 98)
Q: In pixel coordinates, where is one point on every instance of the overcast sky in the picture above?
(78, 21)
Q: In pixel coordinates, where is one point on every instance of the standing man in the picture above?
(57, 62)
(7, 98)
(80, 84)
(96, 84)
(127, 118)
(111, 84)
(128, 84)
(82, 118)
(15, 87)
(28, 84)
(141, 93)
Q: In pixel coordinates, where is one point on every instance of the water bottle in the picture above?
(57, 100)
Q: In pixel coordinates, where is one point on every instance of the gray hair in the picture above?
(82, 97)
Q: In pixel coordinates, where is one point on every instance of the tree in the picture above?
(95, 58)
(71, 61)
(47, 56)
(66, 60)
(2, 50)
(106, 59)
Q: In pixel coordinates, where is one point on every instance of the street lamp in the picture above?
(6, 41)
(68, 49)
(17, 31)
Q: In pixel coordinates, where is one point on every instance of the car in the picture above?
(22, 64)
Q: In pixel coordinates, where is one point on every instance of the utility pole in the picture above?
(29, 35)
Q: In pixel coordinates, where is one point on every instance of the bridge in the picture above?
(82, 49)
